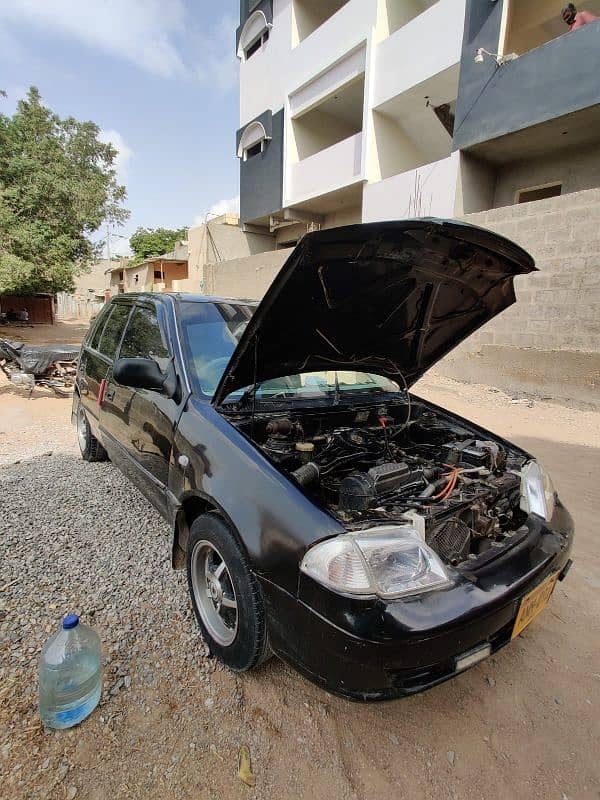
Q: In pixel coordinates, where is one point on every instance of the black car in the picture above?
(376, 542)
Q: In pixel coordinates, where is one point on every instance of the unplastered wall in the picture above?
(144, 279)
(220, 242)
(475, 186)
(576, 169)
(245, 278)
(557, 307)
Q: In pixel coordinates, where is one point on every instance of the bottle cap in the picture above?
(305, 447)
(70, 621)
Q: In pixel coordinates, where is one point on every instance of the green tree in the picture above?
(149, 242)
(57, 186)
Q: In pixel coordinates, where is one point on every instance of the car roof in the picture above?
(188, 297)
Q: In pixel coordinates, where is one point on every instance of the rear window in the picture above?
(111, 334)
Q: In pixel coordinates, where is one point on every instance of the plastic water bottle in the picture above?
(70, 674)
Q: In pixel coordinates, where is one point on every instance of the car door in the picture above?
(139, 422)
(96, 360)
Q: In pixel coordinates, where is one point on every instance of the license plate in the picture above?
(533, 603)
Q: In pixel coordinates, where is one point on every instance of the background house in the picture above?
(156, 274)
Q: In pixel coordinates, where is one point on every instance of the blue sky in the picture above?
(160, 79)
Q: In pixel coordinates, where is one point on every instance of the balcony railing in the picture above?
(427, 191)
(330, 169)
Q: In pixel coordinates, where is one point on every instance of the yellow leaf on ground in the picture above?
(245, 767)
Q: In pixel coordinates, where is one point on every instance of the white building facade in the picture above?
(347, 111)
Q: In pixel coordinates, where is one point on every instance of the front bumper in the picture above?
(375, 650)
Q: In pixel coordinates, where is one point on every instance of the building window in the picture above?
(254, 48)
(254, 35)
(538, 193)
(255, 150)
(158, 275)
(256, 45)
(252, 141)
(121, 275)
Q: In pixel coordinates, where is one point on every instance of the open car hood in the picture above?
(390, 298)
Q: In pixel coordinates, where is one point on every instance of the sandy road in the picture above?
(524, 724)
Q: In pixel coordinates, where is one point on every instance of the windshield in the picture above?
(211, 332)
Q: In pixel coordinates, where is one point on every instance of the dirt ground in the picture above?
(67, 332)
(524, 724)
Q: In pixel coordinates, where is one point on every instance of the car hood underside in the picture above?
(389, 298)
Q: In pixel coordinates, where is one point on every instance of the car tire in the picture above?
(226, 597)
(90, 447)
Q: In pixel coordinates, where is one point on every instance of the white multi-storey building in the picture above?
(347, 111)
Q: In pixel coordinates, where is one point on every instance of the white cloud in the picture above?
(140, 31)
(231, 206)
(159, 36)
(124, 152)
(218, 63)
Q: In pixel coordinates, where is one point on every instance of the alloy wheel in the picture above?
(214, 593)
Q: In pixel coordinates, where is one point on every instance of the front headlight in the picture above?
(537, 491)
(388, 562)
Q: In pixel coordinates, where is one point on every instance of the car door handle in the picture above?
(109, 395)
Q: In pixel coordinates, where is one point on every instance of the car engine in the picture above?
(401, 465)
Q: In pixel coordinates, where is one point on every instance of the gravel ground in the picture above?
(77, 536)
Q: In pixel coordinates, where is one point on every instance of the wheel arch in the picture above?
(194, 506)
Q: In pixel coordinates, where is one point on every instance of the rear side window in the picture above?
(111, 335)
(144, 338)
(99, 326)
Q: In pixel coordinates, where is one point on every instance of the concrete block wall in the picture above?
(558, 307)
(246, 278)
(547, 343)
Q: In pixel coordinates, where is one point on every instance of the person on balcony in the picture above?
(576, 19)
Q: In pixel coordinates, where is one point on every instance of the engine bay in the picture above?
(400, 463)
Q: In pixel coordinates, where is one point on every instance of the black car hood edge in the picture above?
(390, 298)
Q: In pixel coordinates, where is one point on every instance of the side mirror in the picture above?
(142, 373)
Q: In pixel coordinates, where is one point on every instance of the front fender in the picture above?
(275, 521)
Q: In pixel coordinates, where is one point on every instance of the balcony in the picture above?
(415, 128)
(340, 33)
(327, 170)
(422, 192)
(427, 45)
(309, 15)
(398, 13)
(532, 23)
(494, 102)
